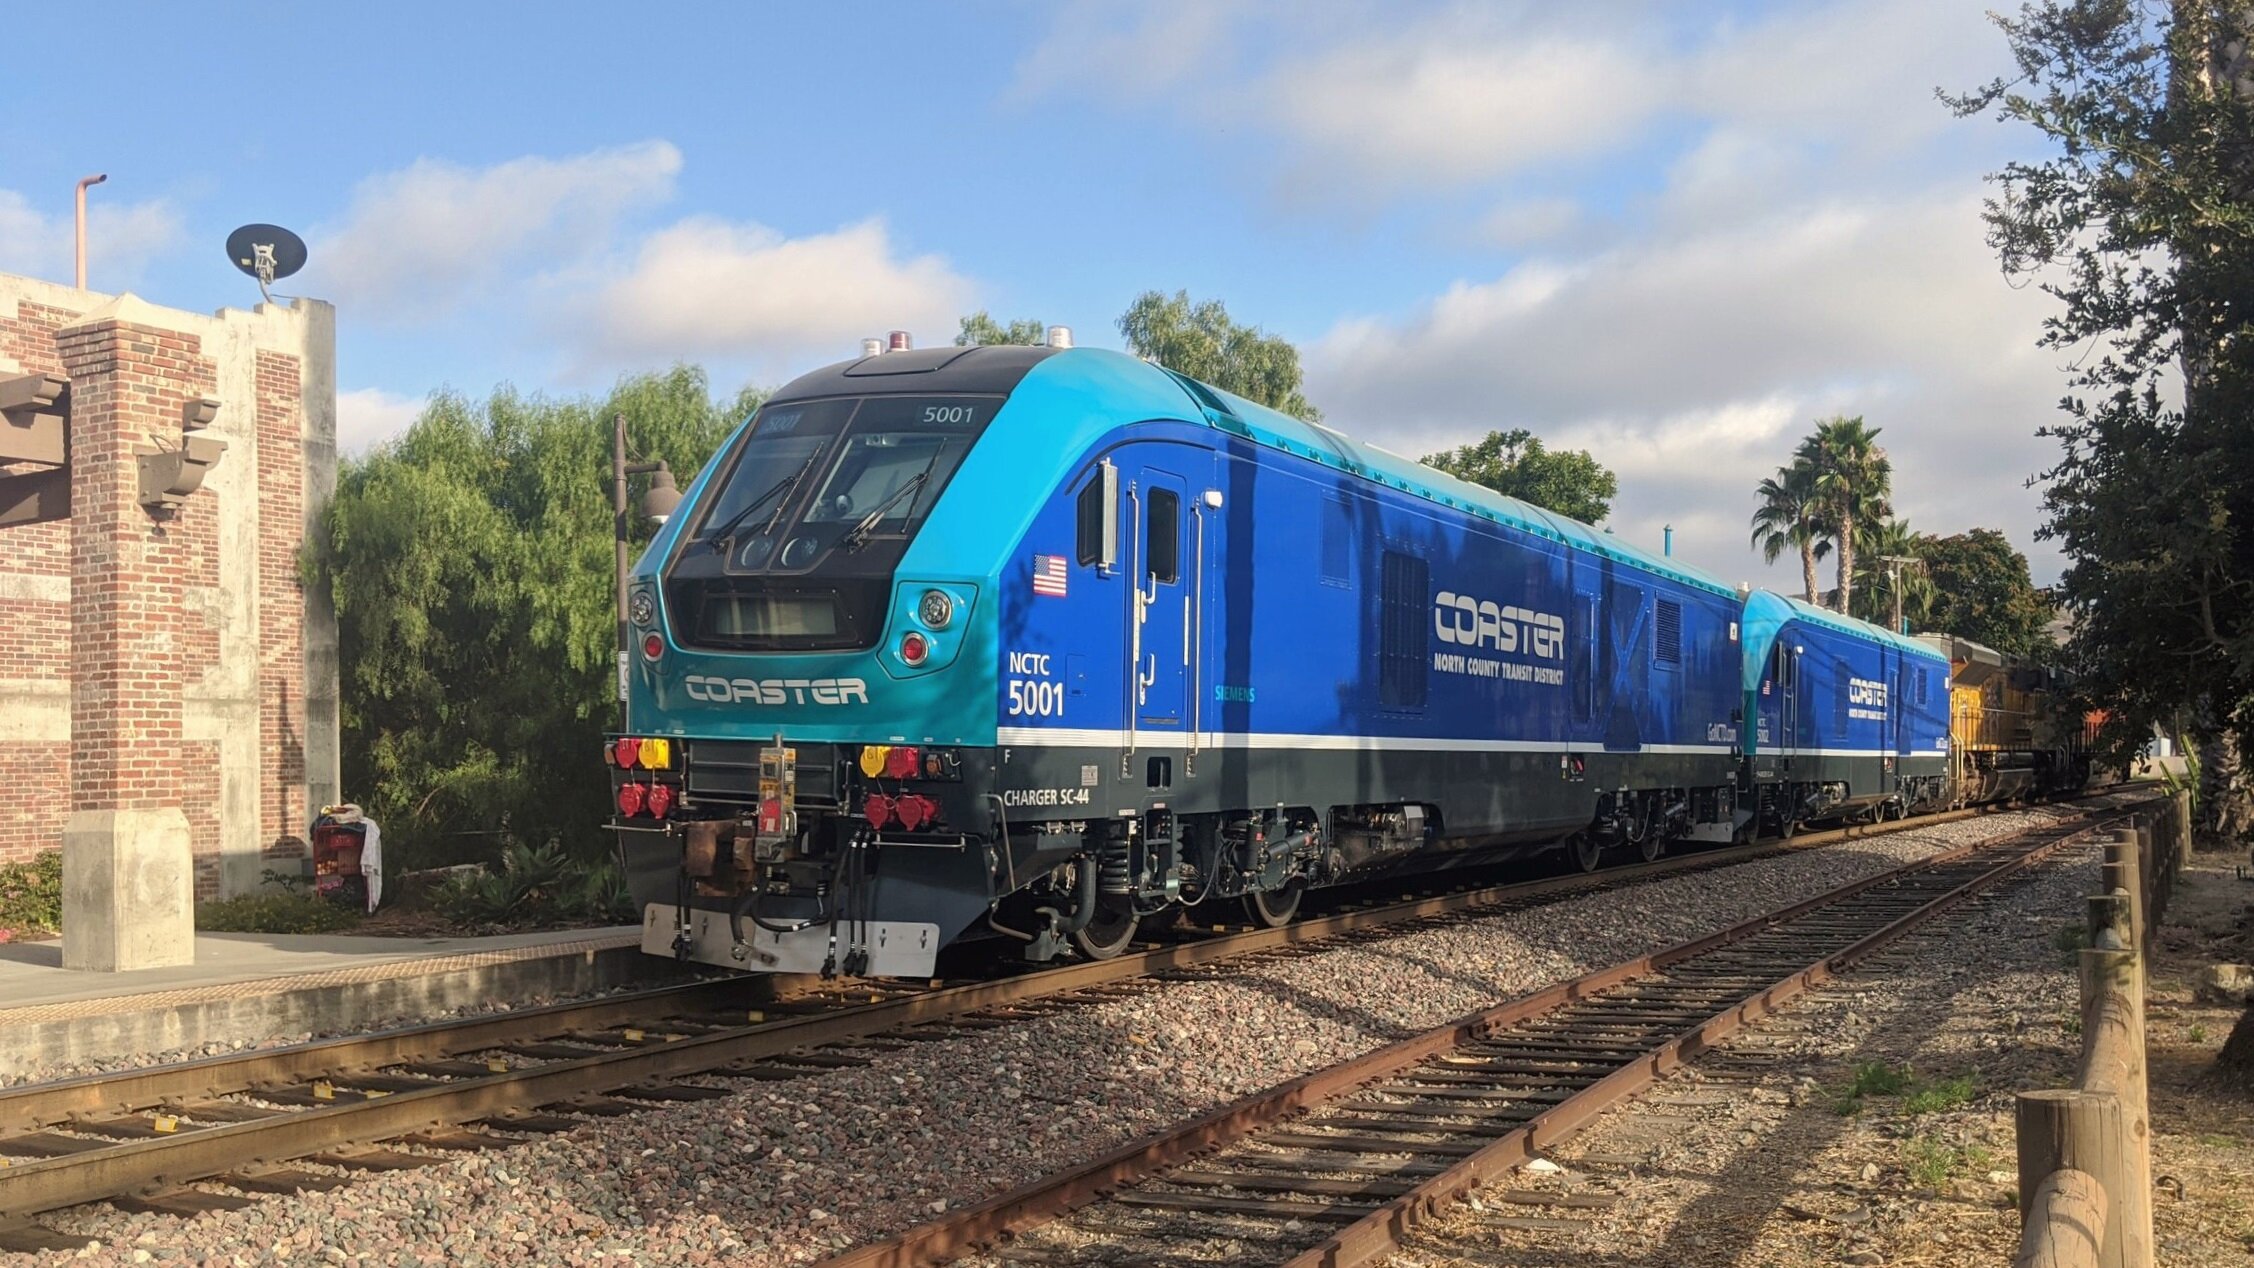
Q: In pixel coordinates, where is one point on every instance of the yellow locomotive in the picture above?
(2011, 733)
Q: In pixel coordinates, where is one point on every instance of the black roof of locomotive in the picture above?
(991, 370)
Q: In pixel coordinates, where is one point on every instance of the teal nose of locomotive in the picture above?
(932, 640)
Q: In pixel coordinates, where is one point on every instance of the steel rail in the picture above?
(33, 1105)
(1378, 1232)
(169, 1160)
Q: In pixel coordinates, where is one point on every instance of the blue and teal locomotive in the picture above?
(1046, 644)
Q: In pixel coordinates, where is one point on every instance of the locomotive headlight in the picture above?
(642, 609)
(935, 609)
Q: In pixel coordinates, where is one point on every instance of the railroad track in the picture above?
(401, 1098)
(1333, 1169)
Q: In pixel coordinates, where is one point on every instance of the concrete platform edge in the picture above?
(242, 1019)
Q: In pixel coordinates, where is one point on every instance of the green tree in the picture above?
(1517, 464)
(1982, 591)
(2139, 219)
(1853, 480)
(1203, 342)
(1789, 518)
(981, 330)
(1890, 563)
(470, 562)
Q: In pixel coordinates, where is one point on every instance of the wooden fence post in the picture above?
(2065, 1223)
(2113, 1063)
(2125, 869)
(2153, 866)
(2062, 1128)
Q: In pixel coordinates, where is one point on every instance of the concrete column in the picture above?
(128, 875)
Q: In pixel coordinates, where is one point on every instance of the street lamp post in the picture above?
(660, 502)
(1894, 565)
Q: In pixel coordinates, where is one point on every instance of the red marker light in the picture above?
(630, 799)
(914, 648)
(877, 810)
(661, 800)
(653, 646)
(627, 752)
(902, 762)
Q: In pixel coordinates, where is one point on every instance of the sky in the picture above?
(1672, 234)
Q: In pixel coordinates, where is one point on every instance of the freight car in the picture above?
(1040, 644)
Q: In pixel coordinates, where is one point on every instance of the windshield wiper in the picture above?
(858, 536)
(726, 532)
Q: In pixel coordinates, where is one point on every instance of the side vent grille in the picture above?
(1667, 647)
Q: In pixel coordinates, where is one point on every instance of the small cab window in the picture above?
(1164, 553)
(1088, 518)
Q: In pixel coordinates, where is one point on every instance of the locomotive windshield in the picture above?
(796, 548)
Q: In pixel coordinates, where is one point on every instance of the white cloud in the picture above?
(712, 288)
(555, 245)
(1431, 108)
(1530, 222)
(420, 241)
(1129, 52)
(1691, 363)
(368, 416)
(121, 239)
(1722, 226)
(1373, 102)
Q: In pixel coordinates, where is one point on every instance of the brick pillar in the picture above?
(128, 875)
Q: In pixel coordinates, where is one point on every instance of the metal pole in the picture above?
(619, 536)
(90, 180)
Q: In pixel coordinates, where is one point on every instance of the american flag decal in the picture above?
(1048, 575)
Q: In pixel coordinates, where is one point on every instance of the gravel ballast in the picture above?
(783, 1173)
(1783, 1147)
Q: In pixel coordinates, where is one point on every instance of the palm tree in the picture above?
(1879, 585)
(1853, 481)
(1788, 516)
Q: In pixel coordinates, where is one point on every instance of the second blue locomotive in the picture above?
(1046, 644)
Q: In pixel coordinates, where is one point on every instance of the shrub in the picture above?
(536, 885)
(275, 913)
(31, 894)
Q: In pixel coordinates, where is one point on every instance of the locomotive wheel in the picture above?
(1787, 828)
(1269, 908)
(1588, 854)
(1109, 933)
(1651, 847)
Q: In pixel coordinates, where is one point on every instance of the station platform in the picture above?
(247, 988)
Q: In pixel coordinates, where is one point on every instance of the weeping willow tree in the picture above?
(470, 559)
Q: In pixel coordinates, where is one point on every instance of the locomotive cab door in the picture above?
(1162, 636)
(1788, 703)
